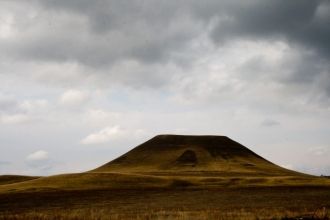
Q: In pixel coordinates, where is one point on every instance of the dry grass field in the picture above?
(180, 203)
(172, 177)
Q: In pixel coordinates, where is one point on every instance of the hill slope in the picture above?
(8, 179)
(193, 155)
(172, 161)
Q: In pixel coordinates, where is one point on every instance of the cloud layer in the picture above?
(255, 70)
(132, 41)
(103, 136)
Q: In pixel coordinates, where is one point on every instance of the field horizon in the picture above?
(179, 175)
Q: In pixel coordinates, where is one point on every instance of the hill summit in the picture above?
(193, 155)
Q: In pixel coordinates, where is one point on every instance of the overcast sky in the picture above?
(82, 82)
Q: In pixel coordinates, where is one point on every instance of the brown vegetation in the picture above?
(8, 179)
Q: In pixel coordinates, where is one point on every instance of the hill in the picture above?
(194, 155)
(171, 161)
(170, 176)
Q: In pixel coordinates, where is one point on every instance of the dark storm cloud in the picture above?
(304, 25)
(105, 15)
(105, 34)
(146, 27)
(304, 22)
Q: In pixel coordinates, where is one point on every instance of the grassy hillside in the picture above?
(196, 156)
(87, 181)
(172, 161)
(96, 181)
(8, 179)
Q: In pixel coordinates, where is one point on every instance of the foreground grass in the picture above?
(100, 214)
(177, 203)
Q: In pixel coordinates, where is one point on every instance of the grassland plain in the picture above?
(180, 203)
(172, 177)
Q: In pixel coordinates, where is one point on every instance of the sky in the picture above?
(82, 82)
